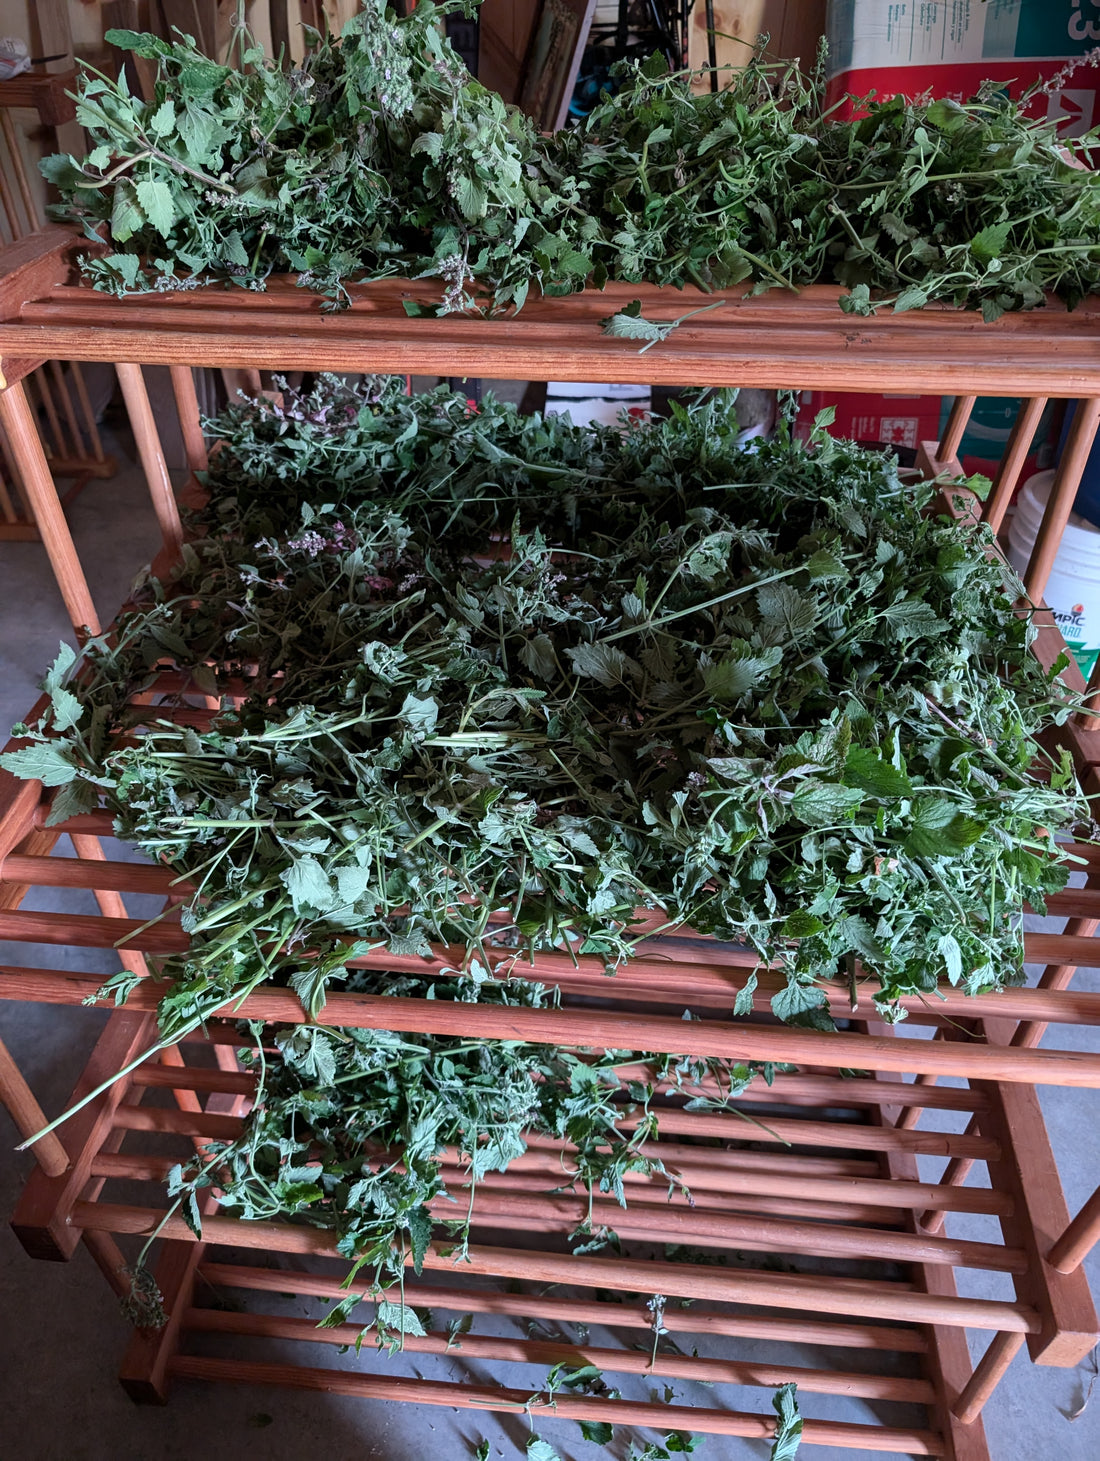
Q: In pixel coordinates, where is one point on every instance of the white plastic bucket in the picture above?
(1073, 589)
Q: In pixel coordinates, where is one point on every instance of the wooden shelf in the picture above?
(853, 1194)
(843, 1204)
(775, 340)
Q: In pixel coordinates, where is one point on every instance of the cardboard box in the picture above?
(907, 420)
(949, 47)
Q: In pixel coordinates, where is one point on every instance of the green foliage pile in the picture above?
(765, 692)
(381, 156)
(497, 682)
(350, 1128)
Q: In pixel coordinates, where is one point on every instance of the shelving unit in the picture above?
(841, 1210)
(855, 1192)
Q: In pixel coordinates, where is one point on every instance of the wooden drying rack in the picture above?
(869, 1202)
(771, 341)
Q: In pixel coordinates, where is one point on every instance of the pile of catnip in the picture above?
(498, 666)
(359, 1132)
(498, 682)
(379, 155)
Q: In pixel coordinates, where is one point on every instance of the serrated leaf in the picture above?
(947, 946)
(309, 886)
(199, 79)
(63, 170)
(822, 566)
(537, 654)
(605, 663)
(429, 142)
(866, 769)
(155, 197)
(623, 326)
(731, 678)
(420, 713)
(797, 999)
(400, 1317)
(140, 42)
(540, 1450)
(860, 937)
(352, 882)
(824, 803)
(788, 1426)
(989, 242)
(784, 612)
(801, 924)
(743, 1004)
(127, 217)
(911, 298)
(420, 1234)
(913, 618)
(939, 829)
(45, 761)
(72, 801)
(163, 120)
(471, 197)
(67, 709)
(599, 1432)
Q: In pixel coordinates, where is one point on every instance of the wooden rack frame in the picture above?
(848, 1199)
(988, 1039)
(771, 341)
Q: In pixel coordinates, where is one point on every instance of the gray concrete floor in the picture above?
(61, 1336)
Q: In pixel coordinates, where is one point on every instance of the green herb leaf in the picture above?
(788, 1428)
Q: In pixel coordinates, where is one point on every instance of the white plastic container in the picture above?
(1073, 589)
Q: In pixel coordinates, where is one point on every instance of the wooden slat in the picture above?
(674, 1122)
(741, 1185)
(682, 971)
(790, 1090)
(777, 341)
(714, 1198)
(616, 1030)
(875, 1299)
(468, 1396)
(586, 1310)
(549, 1352)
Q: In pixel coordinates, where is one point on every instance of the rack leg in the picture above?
(187, 404)
(1064, 490)
(948, 1354)
(144, 427)
(1002, 1350)
(144, 1371)
(86, 410)
(18, 422)
(1078, 1240)
(109, 1259)
(1070, 1327)
(957, 423)
(1011, 464)
(42, 1215)
(28, 1116)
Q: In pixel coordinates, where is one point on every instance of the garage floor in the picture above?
(61, 1336)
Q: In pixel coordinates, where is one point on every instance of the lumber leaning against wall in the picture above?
(795, 27)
